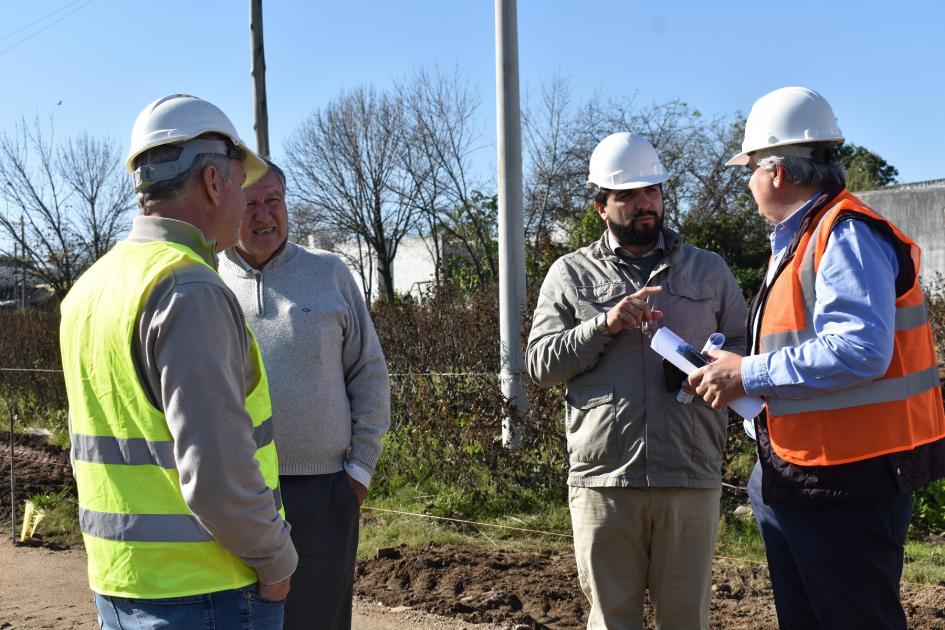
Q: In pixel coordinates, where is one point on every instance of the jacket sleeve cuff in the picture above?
(358, 473)
(364, 457)
(755, 377)
(593, 338)
(281, 567)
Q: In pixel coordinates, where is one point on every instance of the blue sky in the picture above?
(879, 64)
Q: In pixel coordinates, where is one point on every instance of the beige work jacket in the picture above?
(624, 426)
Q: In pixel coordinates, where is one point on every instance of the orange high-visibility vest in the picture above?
(899, 411)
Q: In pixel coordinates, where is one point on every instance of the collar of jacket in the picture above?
(601, 249)
(146, 229)
(826, 197)
(283, 256)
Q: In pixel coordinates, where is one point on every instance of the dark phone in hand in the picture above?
(691, 355)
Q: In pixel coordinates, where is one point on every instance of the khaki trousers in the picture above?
(630, 539)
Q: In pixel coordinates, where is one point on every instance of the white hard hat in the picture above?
(625, 160)
(791, 115)
(177, 119)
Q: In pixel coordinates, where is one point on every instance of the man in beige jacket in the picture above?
(645, 469)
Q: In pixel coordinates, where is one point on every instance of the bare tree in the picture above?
(558, 138)
(72, 202)
(441, 130)
(346, 163)
(694, 150)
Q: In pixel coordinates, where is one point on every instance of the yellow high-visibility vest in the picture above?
(141, 538)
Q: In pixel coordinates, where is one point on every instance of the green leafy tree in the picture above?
(470, 238)
(587, 229)
(739, 236)
(865, 169)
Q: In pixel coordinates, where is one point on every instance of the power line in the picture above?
(48, 26)
(33, 23)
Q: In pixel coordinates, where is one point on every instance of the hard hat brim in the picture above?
(741, 159)
(254, 166)
(635, 183)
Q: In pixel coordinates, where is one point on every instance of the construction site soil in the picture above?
(505, 589)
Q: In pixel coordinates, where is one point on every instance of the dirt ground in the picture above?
(47, 590)
(44, 588)
(39, 468)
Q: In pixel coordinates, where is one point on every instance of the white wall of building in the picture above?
(413, 266)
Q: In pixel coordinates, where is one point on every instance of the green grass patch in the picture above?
(389, 521)
(60, 523)
(739, 538)
(31, 414)
(925, 562)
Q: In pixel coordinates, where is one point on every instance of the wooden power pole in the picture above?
(261, 111)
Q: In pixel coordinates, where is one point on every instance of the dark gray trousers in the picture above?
(323, 512)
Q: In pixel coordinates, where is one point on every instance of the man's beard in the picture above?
(631, 235)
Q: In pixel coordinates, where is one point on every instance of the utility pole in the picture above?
(511, 224)
(261, 111)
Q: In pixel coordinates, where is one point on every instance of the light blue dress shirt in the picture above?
(854, 315)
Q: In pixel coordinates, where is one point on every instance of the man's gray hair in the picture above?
(822, 168)
(170, 189)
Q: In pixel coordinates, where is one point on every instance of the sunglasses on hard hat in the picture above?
(234, 152)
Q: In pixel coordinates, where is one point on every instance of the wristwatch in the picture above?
(602, 325)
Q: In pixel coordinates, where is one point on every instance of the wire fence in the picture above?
(16, 412)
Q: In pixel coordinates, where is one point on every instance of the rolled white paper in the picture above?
(714, 342)
(667, 344)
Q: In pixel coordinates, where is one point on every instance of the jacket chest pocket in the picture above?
(590, 425)
(691, 310)
(596, 299)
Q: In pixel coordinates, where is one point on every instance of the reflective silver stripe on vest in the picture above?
(172, 528)
(105, 449)
(790, 338)
(263, 434)
(874, 392)
(807, 278)
(909, 317)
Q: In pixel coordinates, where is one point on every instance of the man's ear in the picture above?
(600, 209)
(778, 176)
(212, 181)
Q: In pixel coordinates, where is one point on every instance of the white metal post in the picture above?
(511, 224)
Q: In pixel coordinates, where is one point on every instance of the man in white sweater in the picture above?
(330, 395)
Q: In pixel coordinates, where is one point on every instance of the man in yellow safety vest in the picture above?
(169, 408)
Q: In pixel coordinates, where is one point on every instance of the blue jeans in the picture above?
(235, 609)
(835, 566)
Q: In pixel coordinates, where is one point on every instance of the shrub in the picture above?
(29, 340)
(447, 411)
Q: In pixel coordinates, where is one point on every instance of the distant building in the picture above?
(918, 209)
(414, 269)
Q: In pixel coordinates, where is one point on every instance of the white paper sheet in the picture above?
(669, 345)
